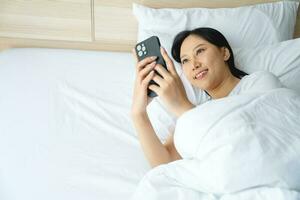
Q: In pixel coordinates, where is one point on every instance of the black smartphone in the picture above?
(150, 47)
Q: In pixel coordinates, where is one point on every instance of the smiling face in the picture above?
(203, 63)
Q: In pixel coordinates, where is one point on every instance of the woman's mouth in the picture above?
(201, 74)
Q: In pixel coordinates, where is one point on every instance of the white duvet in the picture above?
(243, 147)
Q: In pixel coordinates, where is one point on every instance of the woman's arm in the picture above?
(172, 91)
(169, 144)
(155, 152)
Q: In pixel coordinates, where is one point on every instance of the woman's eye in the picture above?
(199, 51)
(183, 61)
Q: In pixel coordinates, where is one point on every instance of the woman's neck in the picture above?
(224, 88)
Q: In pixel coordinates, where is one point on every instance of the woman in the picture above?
(208, 63)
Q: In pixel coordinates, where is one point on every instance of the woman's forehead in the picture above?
(192, 41)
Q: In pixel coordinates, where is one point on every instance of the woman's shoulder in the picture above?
(260, 81)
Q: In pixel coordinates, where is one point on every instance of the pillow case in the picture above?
(246, 26)
(282, 59)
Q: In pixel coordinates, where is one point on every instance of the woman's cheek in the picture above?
(188, 75)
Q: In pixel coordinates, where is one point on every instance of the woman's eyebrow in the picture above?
(198, 46)
(193, 49)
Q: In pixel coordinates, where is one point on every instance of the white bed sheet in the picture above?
(65, 131)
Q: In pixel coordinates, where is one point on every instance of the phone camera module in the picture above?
(140, 53)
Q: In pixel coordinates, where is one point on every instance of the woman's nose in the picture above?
(196, 65)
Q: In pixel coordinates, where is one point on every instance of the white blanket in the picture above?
(243, 147)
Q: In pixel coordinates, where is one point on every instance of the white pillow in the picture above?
(282, 59)
(246, 26)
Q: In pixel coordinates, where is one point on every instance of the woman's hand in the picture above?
(144, 73)
(170, 89)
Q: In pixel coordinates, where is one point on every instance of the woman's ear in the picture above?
(226, 54)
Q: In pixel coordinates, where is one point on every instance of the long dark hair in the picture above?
(212, 36)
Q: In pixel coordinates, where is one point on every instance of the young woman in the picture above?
(208, 63)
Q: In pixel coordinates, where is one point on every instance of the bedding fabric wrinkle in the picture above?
(239, 147)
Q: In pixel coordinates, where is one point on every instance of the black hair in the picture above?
(212, 36)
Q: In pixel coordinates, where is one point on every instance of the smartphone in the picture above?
(150, 47)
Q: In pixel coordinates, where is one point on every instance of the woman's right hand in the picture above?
(144, 74)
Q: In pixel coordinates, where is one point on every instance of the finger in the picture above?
(141, 64)
(148, 78)
(159, 80)
(169, 62)
(146, 70)
(134, 55)
(162, 71)
(155, 88)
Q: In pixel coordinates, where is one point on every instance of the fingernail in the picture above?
(153, 57)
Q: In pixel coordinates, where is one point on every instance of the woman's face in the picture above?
(203, 63)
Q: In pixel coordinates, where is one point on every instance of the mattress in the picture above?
(65, 127)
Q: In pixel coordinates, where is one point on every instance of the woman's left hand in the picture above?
(170, 89)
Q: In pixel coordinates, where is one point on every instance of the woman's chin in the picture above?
(201, 87)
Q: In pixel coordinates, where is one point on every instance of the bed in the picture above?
(65, 127)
